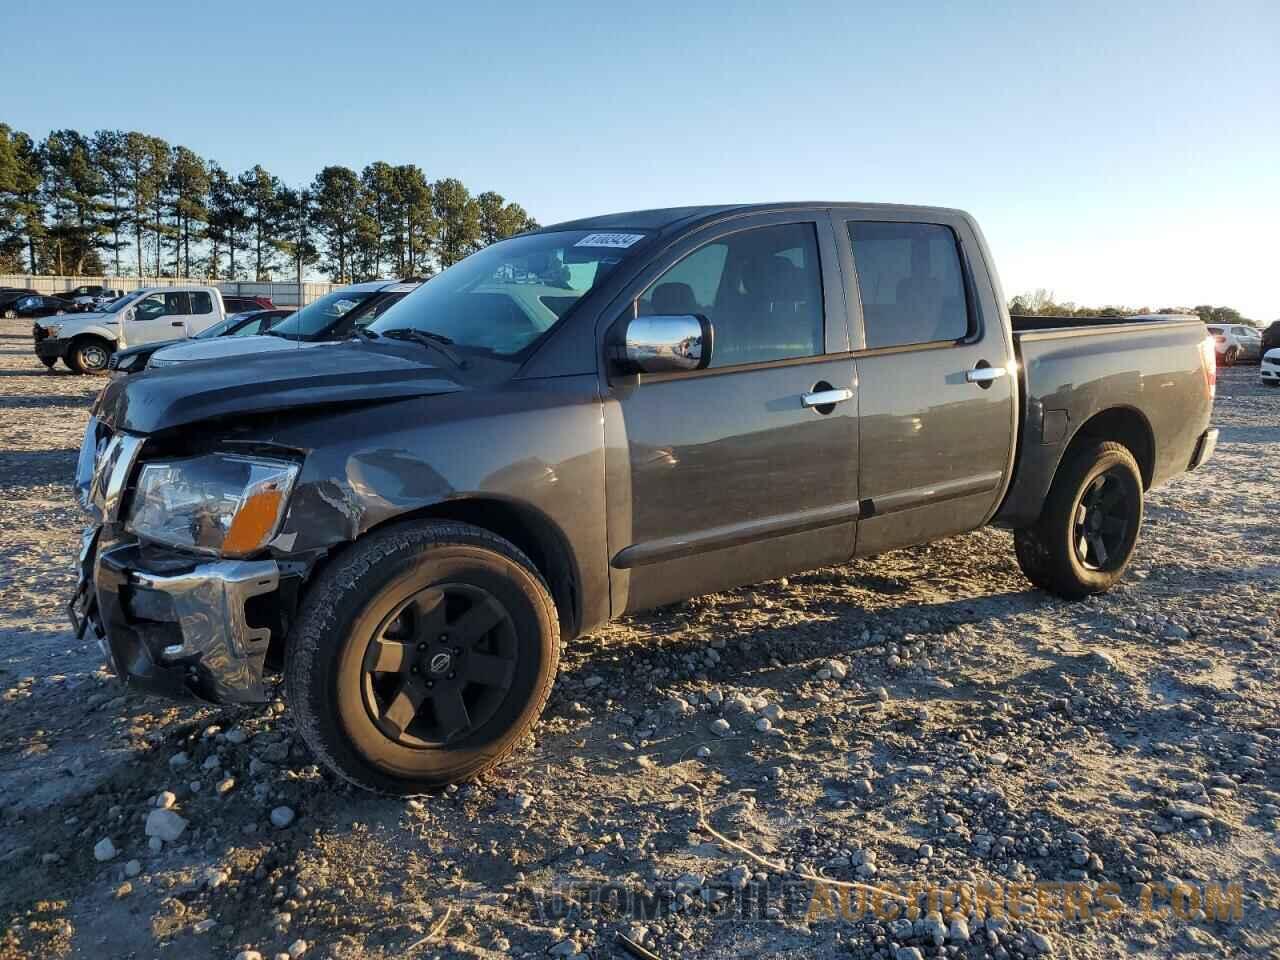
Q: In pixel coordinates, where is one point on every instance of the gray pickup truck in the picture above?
(597, 418)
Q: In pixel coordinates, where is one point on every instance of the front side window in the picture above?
(910, 283)
(163, 305)
(201, 302)
(761, 289)
(318, 318)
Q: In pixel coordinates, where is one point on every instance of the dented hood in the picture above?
(340, 373)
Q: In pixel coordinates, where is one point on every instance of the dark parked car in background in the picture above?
(36, 305)
(10, 294)
(249, 324)
(238, 304)
(1271, 337)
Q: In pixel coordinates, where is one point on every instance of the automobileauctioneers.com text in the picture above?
(1042, 901)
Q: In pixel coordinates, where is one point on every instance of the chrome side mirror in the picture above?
(666, 344)
(131, 314)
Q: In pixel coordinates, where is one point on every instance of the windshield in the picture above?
(503, 299)
(116, 305)
(315, 320)
(219, 328)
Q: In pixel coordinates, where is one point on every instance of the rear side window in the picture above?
(910, 283)
(761, 289)
(201, 302)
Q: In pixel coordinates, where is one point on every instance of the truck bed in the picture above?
(1146, 369)
(1029, 322)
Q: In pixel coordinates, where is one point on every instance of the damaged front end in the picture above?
(181, 622)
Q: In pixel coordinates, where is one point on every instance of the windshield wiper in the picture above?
(435, 341)
(363, 333)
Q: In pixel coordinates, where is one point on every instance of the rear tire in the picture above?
(421, 657)
(89, 355)
(1089, 526)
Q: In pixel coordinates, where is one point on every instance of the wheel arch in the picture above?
(536, 535)
(1125, 425)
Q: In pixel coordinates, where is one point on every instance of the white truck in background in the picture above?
(85, 341)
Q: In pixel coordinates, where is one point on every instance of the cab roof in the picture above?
(665, 219)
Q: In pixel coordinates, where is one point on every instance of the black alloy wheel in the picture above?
(1102, 522)
(441, 665)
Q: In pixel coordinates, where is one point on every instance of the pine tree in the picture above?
(416, 224)
(108, 155)
(261, 193)
(21, 213)
(337, 198)
(459, 217)
(189, 188)
(227, 219)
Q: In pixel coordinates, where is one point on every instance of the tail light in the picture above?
(1209, 363)
(1219, 338)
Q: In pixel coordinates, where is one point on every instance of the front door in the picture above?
(725, 476)
(160, 316)
(936, 392)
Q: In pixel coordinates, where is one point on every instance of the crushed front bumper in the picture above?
(174, 626)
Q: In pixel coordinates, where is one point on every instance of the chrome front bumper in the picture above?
(181, 631)
(1205, 446)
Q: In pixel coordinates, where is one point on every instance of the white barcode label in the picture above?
(619, 240)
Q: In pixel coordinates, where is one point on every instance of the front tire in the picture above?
(422, 656)
(1089, 526)
(89, 355)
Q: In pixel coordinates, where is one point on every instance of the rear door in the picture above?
(936, 380)
(203, 312)
(724, 476)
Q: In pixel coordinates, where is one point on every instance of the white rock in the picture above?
(297, 949)
(166, 799)
(565, 948)
(155, 844)
(281, 817)
(908, 953)
(523, 802)
(236, 736)
(248, 955)
(165, 825)
(104, 850)
(204, 926)
(703, 752)
(178, 760)
(883, 696)
(958, 932)
(212, 762)
(715, 697)
(1042, 943)
(763, 725)
(720, 727)
(133, 868)
(773, 712)
(225, 786)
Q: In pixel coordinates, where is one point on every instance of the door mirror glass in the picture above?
(131, 314)
(667, 343)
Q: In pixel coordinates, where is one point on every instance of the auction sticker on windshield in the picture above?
(622, 240)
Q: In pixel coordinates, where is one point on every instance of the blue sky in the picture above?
(1114, 153)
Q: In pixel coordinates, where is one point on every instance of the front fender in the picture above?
(535, 445)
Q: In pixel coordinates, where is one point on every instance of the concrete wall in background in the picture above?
(282, 294)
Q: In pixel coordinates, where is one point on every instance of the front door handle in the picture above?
(985, 375)
(177, 323)
(826, 398)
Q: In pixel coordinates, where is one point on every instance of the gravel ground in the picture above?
(923, 717)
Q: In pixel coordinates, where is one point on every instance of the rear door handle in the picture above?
(177, 323)
(826, 398)
(985, 374)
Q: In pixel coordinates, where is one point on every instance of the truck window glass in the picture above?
(761, 289)
(910, 282)
(201, 302)
(501, 301)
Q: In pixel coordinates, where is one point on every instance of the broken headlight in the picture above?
(222, 504)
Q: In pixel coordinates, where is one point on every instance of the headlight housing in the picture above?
(223, 504)
(52, 329)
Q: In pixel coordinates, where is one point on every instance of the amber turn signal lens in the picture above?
(254, 521)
